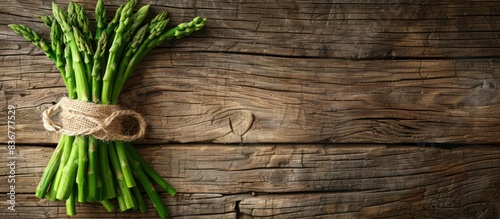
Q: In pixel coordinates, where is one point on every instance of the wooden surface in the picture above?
(297, 180)
(239, 98)
(236, 82)
(392, 101)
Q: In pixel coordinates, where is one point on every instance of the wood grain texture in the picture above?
(297, 181)
(269, 72)
(360, 29)
(398, 76)
(208, 97)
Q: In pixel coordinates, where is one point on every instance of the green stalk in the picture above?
(84, 38)
(97, 68)
(150, 190)
(86, 53)
(139, 42)
(120, 199)
(83, 23)
(159, 17)
(72, 16)
(124, 163)
(68, 143)
(178, 32)
(81, 180)
(70, 74)
(134, 154)
(31, 36)
(100, 18)
(93, 170)
(81, 83)
(108, 205)
(70, 203)
(136, 22)
(52, 193)
(115, 51)
(140, 201)
(50, 171)
(108, 187)
(182, 30)
(69, 173)
(47, 20)
(56, 37)
(110, 34)
(131, 49)
(66, 150)
(112, 24)
(124, 190)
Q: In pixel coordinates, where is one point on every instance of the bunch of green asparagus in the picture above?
(94, 68)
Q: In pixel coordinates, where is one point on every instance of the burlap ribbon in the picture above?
(78, 118)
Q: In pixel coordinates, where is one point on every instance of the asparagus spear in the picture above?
(182, 30)
(31, 36)
(70, 74)
(56, 37)
(124, 163)
(79, 69)
(72, 17)
(154, 31)
(135, 155)
(150, 189)
(100, 18)
(131, 49)
(136, 22)
(140, 201)
(69, 173)
(115, 50)
(93, 171)
(120, 199)
(81, 174)
(47, 20)
(159, 17)
(83, 23)
(108, 184)
(99, 56)
(178, 32)
(124, 190)
(108, 205)
(70, 203)
(50, 171)
(86, 53)
(67, 141)
(112, 24)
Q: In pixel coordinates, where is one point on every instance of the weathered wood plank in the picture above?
(207, 96)
(182, 206)
(361, 29)
(193, 97)
(296, 181)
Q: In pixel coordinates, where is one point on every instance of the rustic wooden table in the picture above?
(290, 109)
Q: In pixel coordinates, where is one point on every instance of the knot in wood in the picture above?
(240, 121)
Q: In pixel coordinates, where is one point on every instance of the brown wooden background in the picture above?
(292, 109)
